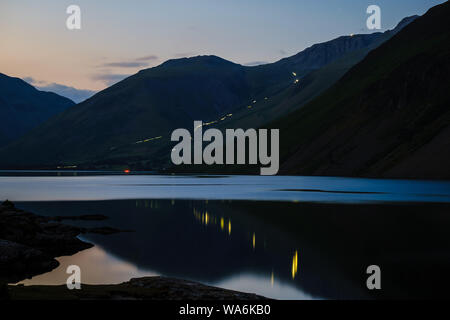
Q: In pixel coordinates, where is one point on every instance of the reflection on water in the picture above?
(274, 288)
(185, 239)
(276, 249)
(206, 219)
(97, 267)
(295, 265)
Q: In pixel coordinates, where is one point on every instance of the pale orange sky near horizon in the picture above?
(120, 38)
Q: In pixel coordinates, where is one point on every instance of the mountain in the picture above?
(130, 122)
(348, 50)
(22, 107)
(389, 116)
(145, 105)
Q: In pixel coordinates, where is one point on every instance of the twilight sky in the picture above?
(119, 38)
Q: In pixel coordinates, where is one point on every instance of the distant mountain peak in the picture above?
(206, 59)
(23, 107)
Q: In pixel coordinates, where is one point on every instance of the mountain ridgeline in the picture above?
(130, 122)
(389, 116)
(22, 107)
(335, 58)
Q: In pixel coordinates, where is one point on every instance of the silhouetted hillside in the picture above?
(22, 107)
(389, 116)
(130, 122)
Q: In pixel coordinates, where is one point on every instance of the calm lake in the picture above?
(281, 237)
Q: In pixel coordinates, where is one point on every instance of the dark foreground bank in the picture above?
(148, 288)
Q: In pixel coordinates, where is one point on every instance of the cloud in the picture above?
(74, 94)
(132, 63)
(255, 63)
(34, 82)
(148, 58)
(283, 52)
(109, 78)
(30, 80)
(125, 64)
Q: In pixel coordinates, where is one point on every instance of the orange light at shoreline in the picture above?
(126, 170)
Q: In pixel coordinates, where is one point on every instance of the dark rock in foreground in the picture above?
(29, 243)
(18, 261)
(148, 288)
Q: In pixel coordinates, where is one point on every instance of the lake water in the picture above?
(281, 237)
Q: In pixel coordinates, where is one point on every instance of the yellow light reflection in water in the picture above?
(254, 241)
(207, 218)
(272, 279)
(295, 265)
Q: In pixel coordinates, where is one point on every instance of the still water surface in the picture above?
(281, 237)
(88, 186)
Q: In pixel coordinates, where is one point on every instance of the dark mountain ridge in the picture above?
(23, 107)
(150, 104)
(389, 116)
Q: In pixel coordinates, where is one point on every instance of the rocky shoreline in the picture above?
(148, 288)
(29, 244)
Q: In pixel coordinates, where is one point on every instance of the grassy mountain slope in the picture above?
(22, 107)
(123, 124)
(314, 82)
(142, 106)
(388, 116)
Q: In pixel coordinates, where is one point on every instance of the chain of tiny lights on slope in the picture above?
(296, 81)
